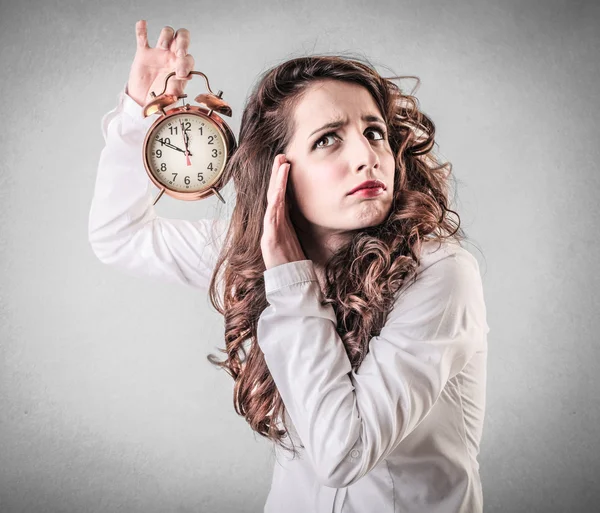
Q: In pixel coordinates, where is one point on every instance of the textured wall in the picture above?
(107, 402)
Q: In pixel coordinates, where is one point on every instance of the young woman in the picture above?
(355, 322)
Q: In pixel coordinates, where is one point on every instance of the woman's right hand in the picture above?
(152, 65)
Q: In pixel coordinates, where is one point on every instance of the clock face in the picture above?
(186, 152)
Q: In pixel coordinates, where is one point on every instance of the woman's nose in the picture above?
(363, 153)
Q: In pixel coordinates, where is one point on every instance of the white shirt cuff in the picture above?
(289, 274)
(130, 106)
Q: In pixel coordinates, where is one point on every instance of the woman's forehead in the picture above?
(332, 101)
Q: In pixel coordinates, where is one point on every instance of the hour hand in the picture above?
(169, 145)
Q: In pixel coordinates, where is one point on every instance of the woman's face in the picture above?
(327, 163)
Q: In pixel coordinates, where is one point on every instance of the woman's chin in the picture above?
(369, 213)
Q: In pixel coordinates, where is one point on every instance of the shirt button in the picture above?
(355, 453)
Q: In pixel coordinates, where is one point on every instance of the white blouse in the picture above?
(402, 433)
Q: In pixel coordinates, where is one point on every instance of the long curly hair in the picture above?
(362, 276)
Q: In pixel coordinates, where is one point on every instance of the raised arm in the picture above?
(124, 230)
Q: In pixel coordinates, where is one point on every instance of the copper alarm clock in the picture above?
(186, 149)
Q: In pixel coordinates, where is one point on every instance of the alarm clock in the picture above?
(186, 149)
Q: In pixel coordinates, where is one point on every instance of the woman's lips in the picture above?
(369, 192)
(368, 184)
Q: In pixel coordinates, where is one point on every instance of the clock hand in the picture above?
(185, 141)
(169, 145)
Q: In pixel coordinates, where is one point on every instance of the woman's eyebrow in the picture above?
(337, 123)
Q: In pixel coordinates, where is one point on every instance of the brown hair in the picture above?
(363, 275)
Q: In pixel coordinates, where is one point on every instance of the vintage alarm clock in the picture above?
(186, 149)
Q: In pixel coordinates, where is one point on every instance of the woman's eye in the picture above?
(331, 134)
(382, 132)
(322, 139)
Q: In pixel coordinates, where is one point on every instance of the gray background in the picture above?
(107, 402)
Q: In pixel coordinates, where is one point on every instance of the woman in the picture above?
(355, 322)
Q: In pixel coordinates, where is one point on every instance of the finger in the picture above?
(276, 209)
(165, 38)
(183, 67)
(141, 34)
(273, 181)
(182, 41)
(283, 178)
(286, 192)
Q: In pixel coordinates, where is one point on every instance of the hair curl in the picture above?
(363, 276)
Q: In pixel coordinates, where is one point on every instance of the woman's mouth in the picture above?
(369, 184)
(368, 192)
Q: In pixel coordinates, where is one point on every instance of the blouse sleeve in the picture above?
(124, 230)
(350, 421)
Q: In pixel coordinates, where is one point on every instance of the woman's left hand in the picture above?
(279, 243)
